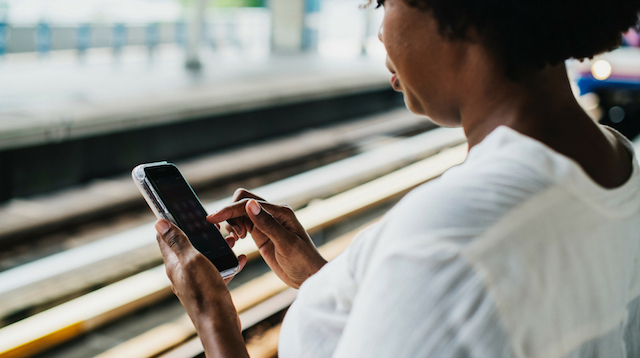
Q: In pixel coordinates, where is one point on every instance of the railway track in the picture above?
(24, 218)
(263, 162)
(119, 255)
(325, 196)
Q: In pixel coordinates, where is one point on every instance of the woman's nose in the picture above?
(380, 33)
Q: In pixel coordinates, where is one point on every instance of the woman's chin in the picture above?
(419, 109)
(412, 105)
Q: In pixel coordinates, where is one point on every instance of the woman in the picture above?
(531, 248)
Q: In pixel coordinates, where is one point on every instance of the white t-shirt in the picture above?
(515, 253)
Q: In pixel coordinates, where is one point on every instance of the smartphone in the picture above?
(170, 197)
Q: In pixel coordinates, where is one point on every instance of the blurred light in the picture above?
(616, 114)
(601, 70)
(589, 101)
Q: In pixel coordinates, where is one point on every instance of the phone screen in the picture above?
(190, 216)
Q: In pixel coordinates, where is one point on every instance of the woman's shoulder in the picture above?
(492, 181)
(500, 174)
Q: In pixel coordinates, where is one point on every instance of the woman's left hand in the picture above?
(202, 291)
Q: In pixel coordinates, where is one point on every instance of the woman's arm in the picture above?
(202, 292)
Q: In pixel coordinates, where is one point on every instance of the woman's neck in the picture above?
(542, 106)
(533, 106)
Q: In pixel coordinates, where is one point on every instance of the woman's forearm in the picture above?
(202, 292)
(221, 335)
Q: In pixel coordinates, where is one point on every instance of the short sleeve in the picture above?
(423, 302)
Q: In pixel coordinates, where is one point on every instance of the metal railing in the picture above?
(228, 27)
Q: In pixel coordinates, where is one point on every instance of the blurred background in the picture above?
(67, 66)
(289, 98)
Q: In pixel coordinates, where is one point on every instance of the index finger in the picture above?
(242, 193)
(231, 211)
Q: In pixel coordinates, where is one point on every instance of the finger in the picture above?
(285, 216)
(233, 230)
(174, 238)
(237, 230)
(230, 241)
(241, 226)
(282, 213)
(228, 212)
(267, 224)
(242, 260)
(167, 254)
(235, 209)
(236, 215)
(242, 193)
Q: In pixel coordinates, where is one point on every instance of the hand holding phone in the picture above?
(203, 293)
(170, 197)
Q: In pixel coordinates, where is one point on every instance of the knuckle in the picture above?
(240, 193)
(174, 239)
(270, 222)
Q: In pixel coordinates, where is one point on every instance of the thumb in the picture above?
(174, 238)
(267, 224)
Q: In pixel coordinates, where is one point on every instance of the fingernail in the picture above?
(162, 226)
(254, 207)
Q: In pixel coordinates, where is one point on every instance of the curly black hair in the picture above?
(529, 34)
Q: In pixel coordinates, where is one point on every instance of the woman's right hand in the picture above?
(283, 243)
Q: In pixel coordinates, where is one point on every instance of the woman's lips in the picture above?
(395, 83)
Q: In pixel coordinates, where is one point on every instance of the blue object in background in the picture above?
(43, 37)
(84, 37)
(4, 32)
(153, 36)
(119, 37)
(208, 34)
(181, 33)
(590, 84)
(311, 24)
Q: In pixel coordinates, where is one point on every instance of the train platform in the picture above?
(105, 114)
(63, 96)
